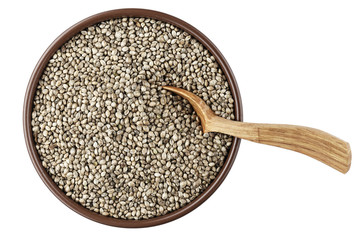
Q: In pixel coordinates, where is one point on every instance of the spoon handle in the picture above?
(312, 142)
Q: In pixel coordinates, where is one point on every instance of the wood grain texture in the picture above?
(314, 143)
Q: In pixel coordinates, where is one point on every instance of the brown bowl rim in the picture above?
(28, 104)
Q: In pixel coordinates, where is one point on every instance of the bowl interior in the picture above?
(28, 104)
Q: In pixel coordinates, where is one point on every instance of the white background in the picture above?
(296, 62)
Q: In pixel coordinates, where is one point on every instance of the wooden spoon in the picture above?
(312, 142)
